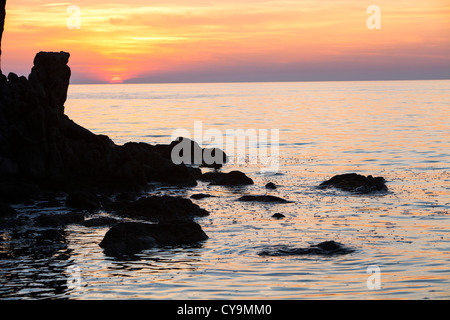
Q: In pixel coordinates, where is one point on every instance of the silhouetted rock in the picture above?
(131, 237)
(57, 220)
(233, 178)
(199, 196)
(51, 204)
(278, 215)
(271, 185)
(41, 148)
(50, 77)
(83, 200)
(50, 237)
(357, 183)
(324, 248)
(163, 208)
(15, 190)
(6, 211)
(262, 198)
(189, 152)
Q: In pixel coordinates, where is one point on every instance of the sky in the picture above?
(145, 41)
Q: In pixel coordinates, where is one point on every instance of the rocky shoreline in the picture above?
(45, 155)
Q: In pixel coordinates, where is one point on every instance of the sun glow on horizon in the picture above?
(195, 39)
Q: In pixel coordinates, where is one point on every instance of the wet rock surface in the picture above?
(57, 220)
(271, 185)
(6, 211)
(189, 152)
(233, 178)
(356, 183)
(132, 237)
(162, 208)
(326, 248)
(83, 200)
(198, 196)
(41, 148)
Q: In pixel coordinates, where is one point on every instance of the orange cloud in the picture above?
(119, 41)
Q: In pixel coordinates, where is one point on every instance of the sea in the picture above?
(400, 239)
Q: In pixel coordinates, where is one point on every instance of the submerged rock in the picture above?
(325, 248)
(233, 178)
(199, 196)
(131, 237)
(6, 211)
(189, 152)
(357, 183)
(163, 208)
(262, 198)
(271, 185)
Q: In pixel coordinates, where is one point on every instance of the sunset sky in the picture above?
(248, 40)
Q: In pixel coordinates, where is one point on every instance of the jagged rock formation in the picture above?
(40, 147)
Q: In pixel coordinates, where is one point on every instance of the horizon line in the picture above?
(255, 81)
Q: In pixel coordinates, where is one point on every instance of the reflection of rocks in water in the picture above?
(354, 182)
(132, 237)
(44, 259)
(326, 248)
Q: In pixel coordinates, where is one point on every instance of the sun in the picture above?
(116, 79)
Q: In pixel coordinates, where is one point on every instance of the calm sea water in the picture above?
(398, 129)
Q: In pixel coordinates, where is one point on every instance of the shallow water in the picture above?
(396, 129)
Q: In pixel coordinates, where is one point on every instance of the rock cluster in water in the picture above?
(357, 183)
(325, 248)
(42, 149)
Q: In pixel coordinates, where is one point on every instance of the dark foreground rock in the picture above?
(42, 149)
(58, 220)
(132, 237)
(233, 178)
(326, 248)
(357, 183)
(6, 211)
(262, 198)
(162, 208)
(83, 200)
